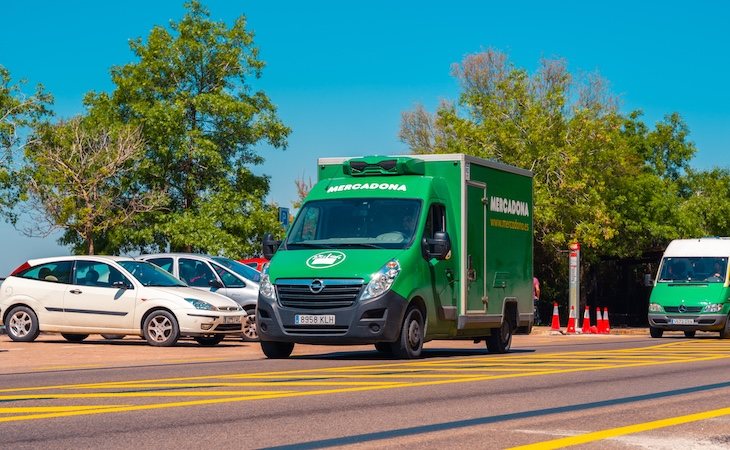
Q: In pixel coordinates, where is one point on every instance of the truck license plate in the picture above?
(232, 319)
(682, 321)
(312, 319)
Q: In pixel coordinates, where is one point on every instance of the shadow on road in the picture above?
(427, 353)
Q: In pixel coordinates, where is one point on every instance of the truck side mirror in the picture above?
(270, 245)
(438, 247)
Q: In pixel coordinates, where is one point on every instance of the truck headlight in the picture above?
(199, 304)
(266, 289)
(655, 307)
(713, 307)
(382, 280)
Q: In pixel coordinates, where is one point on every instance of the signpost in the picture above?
(574, 275)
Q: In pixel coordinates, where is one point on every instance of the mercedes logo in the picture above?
(316, 286)
(682, 308)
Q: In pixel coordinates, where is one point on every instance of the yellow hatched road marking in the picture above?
(621, 431)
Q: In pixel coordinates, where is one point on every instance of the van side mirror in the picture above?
(438, 247)
(270, 245)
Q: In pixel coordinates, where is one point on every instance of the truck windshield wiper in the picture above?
(309, 245)
(358, 245)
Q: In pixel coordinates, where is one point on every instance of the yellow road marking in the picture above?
(621, 431)
(45, 409)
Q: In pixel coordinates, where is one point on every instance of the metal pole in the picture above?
(574, 278)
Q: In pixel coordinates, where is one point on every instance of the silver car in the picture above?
(217, 274)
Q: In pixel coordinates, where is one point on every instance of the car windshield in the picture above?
(243, 270)
(710, 269)
(355, 223)
(150, 275)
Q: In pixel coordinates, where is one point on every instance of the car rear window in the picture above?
(54, 272)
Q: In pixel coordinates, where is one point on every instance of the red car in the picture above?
(256, 263)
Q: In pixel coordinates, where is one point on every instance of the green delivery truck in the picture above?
(692, 289)
(399, 250)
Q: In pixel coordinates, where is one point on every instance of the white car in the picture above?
(81, 295)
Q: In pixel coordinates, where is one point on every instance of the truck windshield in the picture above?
(710, 269)
(355, 223)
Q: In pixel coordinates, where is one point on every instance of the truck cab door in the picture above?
(442, 271)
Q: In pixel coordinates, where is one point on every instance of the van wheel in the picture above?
(725, 332)
(209, 341)
(74, 337)
(500, 340)
(656, 332)
(410, 344)
(690, 333)
(22, 324)
(248, 330)
(160, 329)
(277, 350)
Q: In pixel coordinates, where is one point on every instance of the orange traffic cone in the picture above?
(571, 321)
(555, 325)
(586, 321)
(606, 324)
(601, 325)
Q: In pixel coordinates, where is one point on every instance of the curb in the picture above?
(546, 330)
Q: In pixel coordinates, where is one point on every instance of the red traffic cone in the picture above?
(606, 324)
(571, 321)
(586, 321)
(601, 325)
(555, 325)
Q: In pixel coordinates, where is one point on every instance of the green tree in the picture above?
(191, 92)
(78, 178)
(18, 112)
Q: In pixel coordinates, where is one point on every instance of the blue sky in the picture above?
(342, 72)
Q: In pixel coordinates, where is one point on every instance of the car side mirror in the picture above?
(215, 284)
(121, 285)
(437, 247)
(270, 245)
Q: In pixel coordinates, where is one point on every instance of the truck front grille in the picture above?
(318, 293)
(687, 309)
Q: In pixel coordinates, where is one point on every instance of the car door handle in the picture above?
(75, 291)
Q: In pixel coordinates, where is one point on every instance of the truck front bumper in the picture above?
(701, 322)
(365, 322)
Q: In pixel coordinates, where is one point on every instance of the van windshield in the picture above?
(710, 269)
(355, 223)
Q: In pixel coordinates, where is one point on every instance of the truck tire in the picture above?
(500, 340)
(690, 333)
(656, 332)
(410, 343)
(277, 350)
(725, 332)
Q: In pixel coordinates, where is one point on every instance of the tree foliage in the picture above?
(78, 177)
(191, 93)
(601, 177)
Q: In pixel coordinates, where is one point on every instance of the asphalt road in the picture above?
(598, 392)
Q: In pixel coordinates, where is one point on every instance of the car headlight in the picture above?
(713, 307)
(382, 280)
(265, 287)
(199, 304)
(655, 307)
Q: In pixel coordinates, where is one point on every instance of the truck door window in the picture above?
(436, 220)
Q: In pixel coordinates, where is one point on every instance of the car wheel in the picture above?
(690, 333)
(277, 350)
(113, 336)
(160, 329)
(249, 332)
(73, 337)
(410, 343)
(209, 341)
(21, 324)
(656, 332)
(384, 347)
(500, 340)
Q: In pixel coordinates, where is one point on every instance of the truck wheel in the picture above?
(410, 344)
(209, 341)
(21, 324)
(73, 337)
(160, 329)
(277, 350)
(725, 332)
(500, 340)
(249, 332)
(656, 332)
(690, 333)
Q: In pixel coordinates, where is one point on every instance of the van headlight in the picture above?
(199, 304)
(382, 280)
(713, 308)
(655, 307)
(266, 289)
